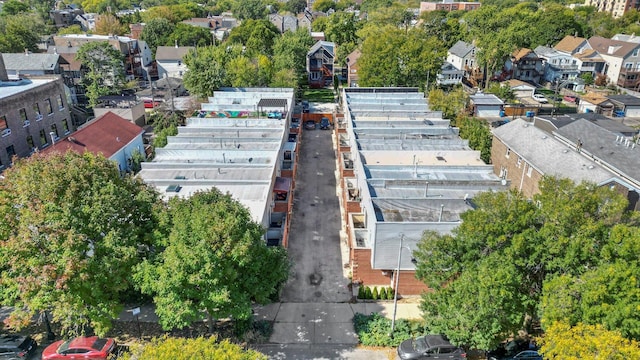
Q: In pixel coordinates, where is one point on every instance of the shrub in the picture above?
(374, 329)
(383, 294)
(390, 293)
(374, 293)
(367, 292)
(361, 294)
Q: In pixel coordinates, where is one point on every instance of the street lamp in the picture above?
(397, 279)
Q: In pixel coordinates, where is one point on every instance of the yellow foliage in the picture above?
(167, 348)
(564, 342)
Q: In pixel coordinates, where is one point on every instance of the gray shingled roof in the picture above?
(30, 62)
(172, 52)
(601, 144)
(626, 100)
(461, 48)
(547, 154)
(486, 99)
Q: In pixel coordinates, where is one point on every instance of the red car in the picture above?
(148, 104)
(91, 347)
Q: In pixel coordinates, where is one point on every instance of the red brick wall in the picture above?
(518, 175)
(362, 271)
(353, 207)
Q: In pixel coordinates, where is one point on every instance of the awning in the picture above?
(282, 185)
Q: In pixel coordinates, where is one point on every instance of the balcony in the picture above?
(629, 78)
(564, 67)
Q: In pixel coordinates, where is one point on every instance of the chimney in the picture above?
(3, 70)
(176, 43)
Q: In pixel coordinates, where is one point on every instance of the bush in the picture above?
(383, 294)
(367, 293)
(390, 293)
(361, 294)
(374, 330)
(374, 293)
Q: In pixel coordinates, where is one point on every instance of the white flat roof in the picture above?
(8, 89)
(440, 157)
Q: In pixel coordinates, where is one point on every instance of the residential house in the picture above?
(622, 60)
(87, 22)
(557, 64)
(586, 58)
(230, 144)
(448, 5)
(305, 19)
(486, 105)
(462, 55)
(625, 105)
(522, 154)
(551, 124)
(320, 62)
(403, 170)
(524, 65)
(617, 8)
(352, 68)
(129, 47)
(136, 30)
(29, 64)
(520, 88)
(34, 112)
(65, 17)
(595, 103)
(126, 107)
(449, 75)
(169, 60)
(317, 35)
(220, 26)
(283, 23)
(109, 135)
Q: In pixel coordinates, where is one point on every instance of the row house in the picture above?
(219, 26)
(622, 60)
(524, 64)
(462, 56)
(320, 64)
(448, 5)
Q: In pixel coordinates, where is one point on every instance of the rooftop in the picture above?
(11, 88)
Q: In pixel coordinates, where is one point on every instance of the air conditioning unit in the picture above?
(26, 123)
(6, 132)
(38, 117)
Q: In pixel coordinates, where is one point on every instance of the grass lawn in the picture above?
(318, 95)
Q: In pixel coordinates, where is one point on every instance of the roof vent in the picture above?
(441, 158)
(590, 167)
(180, 177)
(173, 188)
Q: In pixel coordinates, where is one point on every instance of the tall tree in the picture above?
(207, 70)
(13, 7)
(249, 9)
(108, 24)
(174, 13)
(71, 231)
(105, 70)
(157, 32)
(215, 262)
(562, 341)
(500, 258)
(296, 6)
(188, 35)
(20, 32)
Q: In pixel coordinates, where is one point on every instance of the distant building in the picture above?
(169, 61)
(285, 22)
(622, 59)
(34, 113)
(616, 8)
(29, 64)
(320, 64)
(65, 17)
(353, 67)
(448, 5)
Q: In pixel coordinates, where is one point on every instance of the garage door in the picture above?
(488, 111)
(632, 111)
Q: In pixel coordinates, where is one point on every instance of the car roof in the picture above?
(87, 343)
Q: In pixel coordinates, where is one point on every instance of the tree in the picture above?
(107, 24)
(323, 5)
(73, 29)
(562, 341)
(13, 7)
(370, 5)
(249, 9)
(504, 92)
(103, 6)
(173, 13)
(285, 78)
(478, 133)
(157, 32)
(498, 261)
(188, 35)
(167, 348)
(105, 71)
(296, 6)
(215, 261)
(587, 78)
(20, 32)
(452, 103)
(72, 230)
(341, 28)
(290, 51)
(206, 70)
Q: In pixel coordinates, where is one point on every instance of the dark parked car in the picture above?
(518, 349)
(498, 123)
(310, 125)
(325, 124)
(305, 106)
(430, 347)
(16, 346)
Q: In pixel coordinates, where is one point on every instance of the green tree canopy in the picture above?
(157, 33)
(508, 250)
(562, 341)
(174, 13)
(72, 230)
(249, 9)
(13, 7)
(188, 35)
(105, 70)
(167, 348)
(215, 261)
(206, 70)
(20, 32)
(296, 6)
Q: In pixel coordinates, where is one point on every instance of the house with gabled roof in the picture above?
(462, 55)
(572, 44)
(626, 105)
(28, 63)
(170, 60)
(320, 60)
(352, 68)
(622, 60)
(595, 103)
(110, 135)
(525, 65)
(557, 64)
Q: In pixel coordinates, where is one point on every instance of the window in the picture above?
(43, 138)
(36, 109)
(3, 122)
(65, 126)
(628, 66)
(23, 115)
(519, 162)
(529, 171)
(508, 152)
(60, 102)
(11, 152)
(47, 106)
(30, 142)
(635, 52)
(54, 130)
